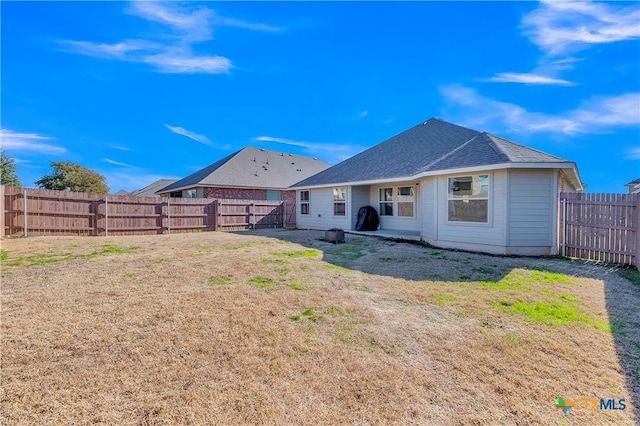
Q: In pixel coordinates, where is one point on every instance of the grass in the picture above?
(39, 259)
(163, 330)
(262, 282)
(631, 274)
(220, 281)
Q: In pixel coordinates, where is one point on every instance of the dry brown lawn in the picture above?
(279, 327)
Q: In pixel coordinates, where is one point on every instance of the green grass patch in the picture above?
(312, 316)
(444, 298)
(282, 270)
(261, 282)
(161, 261)
(294, 317)
(237, 246)
(4, 255)
(292, 254)
(338, 268)
(297, 286)
(559, 313)
(220, 281)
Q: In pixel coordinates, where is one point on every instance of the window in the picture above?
(406, 200)
(273, 195)
(386, 201)
(191, 193)
(304, 202)
(339, 201)
(469, 199)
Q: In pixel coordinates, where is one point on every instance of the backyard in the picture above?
(280, 327)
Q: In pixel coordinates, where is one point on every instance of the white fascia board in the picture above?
(489, 167)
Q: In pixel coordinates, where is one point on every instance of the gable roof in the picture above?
(634, 182)
(150, 190)
(432, 146)
(252, 168)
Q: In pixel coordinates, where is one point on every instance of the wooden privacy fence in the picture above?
(602, 227)
(45, 212)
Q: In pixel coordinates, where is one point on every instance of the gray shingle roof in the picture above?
(150, 190)
(430, 146)
(252, 168)
(633, 182)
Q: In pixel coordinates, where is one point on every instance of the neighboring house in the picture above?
(633, 187)
(450, 186)
(121, 192)
(150, 190)
(251, 173)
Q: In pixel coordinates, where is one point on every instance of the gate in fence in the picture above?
(602, 227)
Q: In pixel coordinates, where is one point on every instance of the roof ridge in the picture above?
(445, 156)
(525, 146)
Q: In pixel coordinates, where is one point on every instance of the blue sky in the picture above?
(144, 90)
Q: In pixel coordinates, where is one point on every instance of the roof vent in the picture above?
(290, 155)
(282, 154)
(254, 159)
(256, 173)
(262, 149)
(293, 162)
(314, 158)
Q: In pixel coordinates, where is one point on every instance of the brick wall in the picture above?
(246, 194)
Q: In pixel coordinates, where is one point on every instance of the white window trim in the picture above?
(308, 203)
(346, 196)
(488, 198)
(394, 201)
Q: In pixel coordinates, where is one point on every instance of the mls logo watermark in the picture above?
(591, 404)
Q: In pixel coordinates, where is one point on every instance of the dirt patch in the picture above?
(280, 327)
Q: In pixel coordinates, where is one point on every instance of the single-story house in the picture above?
(250, 173)
(448, 185)
(633, 187)
(150, 190)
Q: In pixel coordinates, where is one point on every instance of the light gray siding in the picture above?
(359, 198)
(428, 206)
(531, 208)
(321, 211)
(489, 234)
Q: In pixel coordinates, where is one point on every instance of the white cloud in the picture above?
(173, 52)
(119, 147)
(363, 114)
(188, 64)
(633, 154)
(559, 27)
(14, 141)
(117, 163)
(528, 78)
(597, 115)
(191, 135)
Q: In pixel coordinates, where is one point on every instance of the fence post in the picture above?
(169, 215)
(284, 214)
(564, 227)
(252, 211)
(637, 230)
(26, 230)
(106, 216)
(216, 210)
(3, 205)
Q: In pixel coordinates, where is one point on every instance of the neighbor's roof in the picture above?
(150, 190)
(634, 182)
(252, 168)
(434, 145)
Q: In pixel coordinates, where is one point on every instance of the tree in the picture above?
(73, 177)
(8, 175)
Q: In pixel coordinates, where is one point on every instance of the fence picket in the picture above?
(74, 213)
(602, 227)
